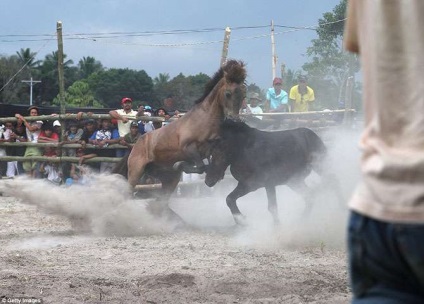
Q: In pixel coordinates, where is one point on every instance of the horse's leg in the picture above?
(231, 200)
(136, 166)
(272, 203)
(300, 187)
(169, 181)
(199, 166)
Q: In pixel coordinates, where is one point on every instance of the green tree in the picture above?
(79, 94)
(109, 86)
(50, 77)
(12, 90)
(186, 90)
(89, 65)
(330, 66)
(27, 58)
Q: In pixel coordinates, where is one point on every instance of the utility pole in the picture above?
(225, 46)
(274, 57)
(31, 84)
(61, 76)
(60, 66)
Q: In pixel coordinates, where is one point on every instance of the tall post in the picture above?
(274, 56)
(60, 67)
(31, 84)
(61, 75)
(225, 46)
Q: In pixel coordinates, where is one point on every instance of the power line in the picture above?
(110, 35)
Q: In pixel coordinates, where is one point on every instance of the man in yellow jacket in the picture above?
(301, 96)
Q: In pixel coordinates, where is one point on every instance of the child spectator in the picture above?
(6, 136)
(33, 130)
(72, 136)
(160, 112)
(18, 135)
(52, 172)
(50, 169)
(103, 138)
(148, 125)
(130, 138)
(79, 171)
(47, 135)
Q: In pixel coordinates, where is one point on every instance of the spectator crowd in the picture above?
(94, 136)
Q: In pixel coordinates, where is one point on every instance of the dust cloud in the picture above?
(104, 206)
(325, 227)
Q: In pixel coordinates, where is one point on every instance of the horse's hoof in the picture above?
(240, 220)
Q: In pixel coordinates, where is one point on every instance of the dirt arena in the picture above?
(121, 254)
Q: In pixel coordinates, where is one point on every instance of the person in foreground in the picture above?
(386, 225)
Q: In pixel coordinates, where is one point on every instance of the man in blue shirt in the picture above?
(277, 98)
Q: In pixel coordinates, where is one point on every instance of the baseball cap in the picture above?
(277, 80)
(125, 100)
(134, 124)
(56, 123)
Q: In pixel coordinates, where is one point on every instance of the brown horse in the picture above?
(188, 139)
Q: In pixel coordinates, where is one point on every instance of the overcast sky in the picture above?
(131, 33)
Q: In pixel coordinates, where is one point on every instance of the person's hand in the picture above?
(125, 119)
(79, 115)
(19, 116)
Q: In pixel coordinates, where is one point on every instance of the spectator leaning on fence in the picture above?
(301, 96)
(33, 130)
(276, 97)
(124, 116)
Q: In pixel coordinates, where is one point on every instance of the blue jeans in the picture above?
(386, 261)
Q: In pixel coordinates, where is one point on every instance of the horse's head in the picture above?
(218, 162)
(233, 90)
(229, 89)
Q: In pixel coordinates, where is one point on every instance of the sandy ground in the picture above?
(124, 255)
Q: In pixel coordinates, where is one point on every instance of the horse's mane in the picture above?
(234, 126)
(235, 72)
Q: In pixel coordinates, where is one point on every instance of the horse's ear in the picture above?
(226, 76)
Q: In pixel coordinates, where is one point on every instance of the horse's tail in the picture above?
(317, 150)
(122, 166)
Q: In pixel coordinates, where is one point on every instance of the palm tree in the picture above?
(89, 65)
(161, 79)
(27, 58)
(49, 75)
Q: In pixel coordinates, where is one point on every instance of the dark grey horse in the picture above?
(266, 159)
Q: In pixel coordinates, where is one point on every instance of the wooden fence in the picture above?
(314, 120)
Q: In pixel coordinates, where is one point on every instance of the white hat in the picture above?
(56, 123)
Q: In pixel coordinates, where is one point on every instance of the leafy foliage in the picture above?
(330, 66)
(109, 86)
